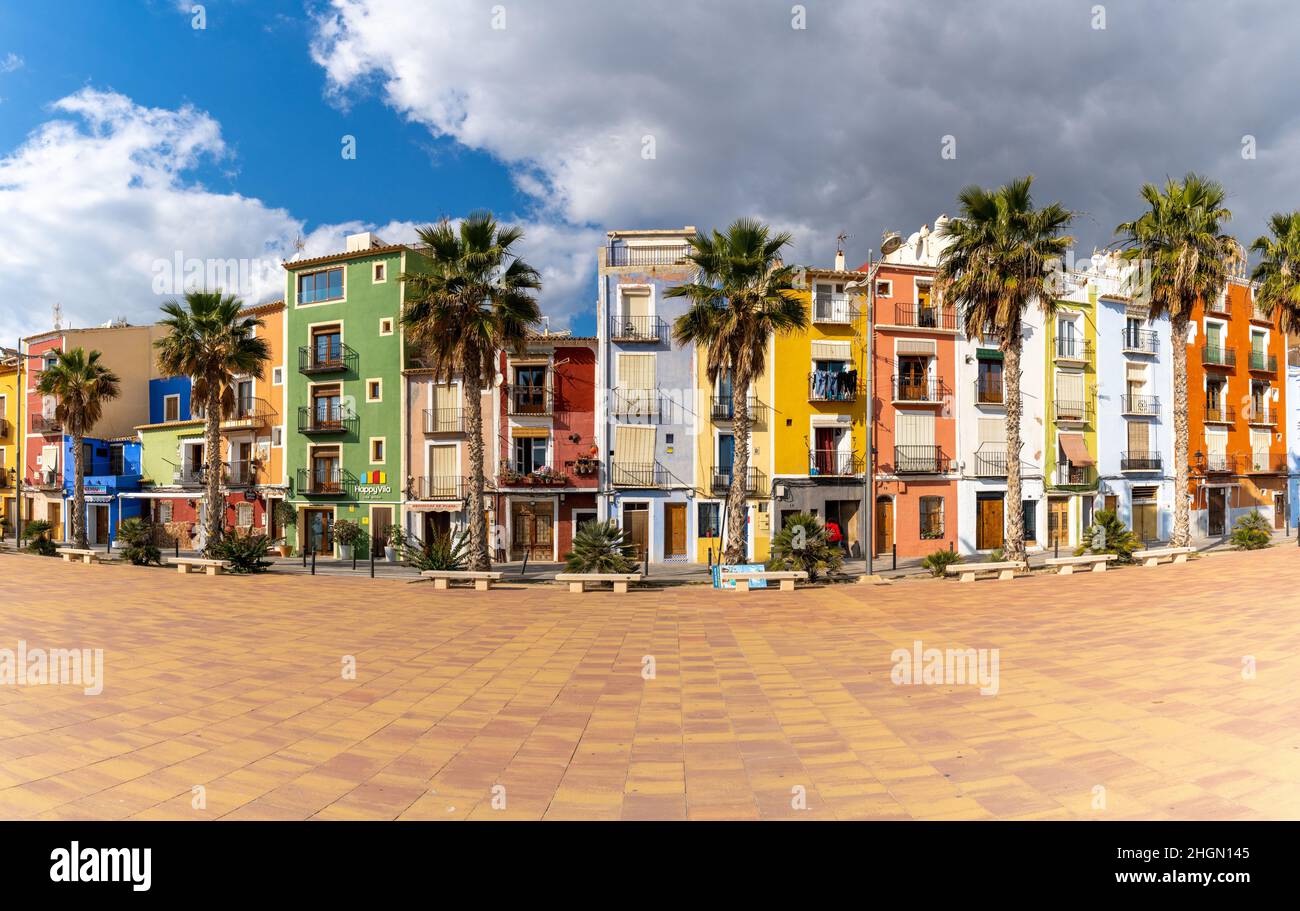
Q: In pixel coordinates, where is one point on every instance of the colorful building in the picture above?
(9, 437)
(172, 461)
(1236, 392)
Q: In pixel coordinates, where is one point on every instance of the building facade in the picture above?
(9, 437)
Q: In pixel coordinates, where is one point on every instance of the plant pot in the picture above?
(390, 554)
(286, 550)
(345, 552)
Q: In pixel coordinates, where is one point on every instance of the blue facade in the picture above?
(1135, 386)
(160, 389)
(1293, 441)
(105, 482)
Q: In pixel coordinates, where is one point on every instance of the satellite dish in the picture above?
(892, 241)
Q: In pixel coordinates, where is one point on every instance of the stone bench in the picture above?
(1065, 565)
(442, 578)
(86, 556)
(1155, 555)
(970, 571)
(578, 581)
(185, 565)
(786, 577)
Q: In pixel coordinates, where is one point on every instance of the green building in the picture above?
(1071, 451)
(344, 452)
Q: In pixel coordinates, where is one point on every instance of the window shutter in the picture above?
(1139, 437)
(1069, 387)
(831, 351)
(923, 347)
(992, 431)
(915, 428)
(634, 445)
(636, 302)
(444, 396)
(636, 371)
(443, 462)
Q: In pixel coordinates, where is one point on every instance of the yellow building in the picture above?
(9, 431)
(817, 390)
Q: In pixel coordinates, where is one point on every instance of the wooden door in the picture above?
(101, 524)
(884, 525)
(1146, 522)
(636, 522)
(1058, 521)
(989, 524)
(674, 529)
(1218, 508)
(1279, 510)
(533, 530)
(272, 519)
(318, 531)
(54, 513)
(381, 519)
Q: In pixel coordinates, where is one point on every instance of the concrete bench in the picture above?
(1065, 565)
(970, 571)
(185, 565)
(87, 556)
(786, 577)
(442, 578)
(578, 581)
(1154, 556)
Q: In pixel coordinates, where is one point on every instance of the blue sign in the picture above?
(718, 569)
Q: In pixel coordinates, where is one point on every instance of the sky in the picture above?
(134, 133)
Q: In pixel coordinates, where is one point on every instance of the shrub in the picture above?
(137, 538)
(1108, 535)
(444, 552)
(37, 535)
(348, 533)
(801, 545)
(939, 561)
(601, 547)
(1252, 532)
(997, 555)
(244, 553)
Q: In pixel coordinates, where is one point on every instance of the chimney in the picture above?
(363, 241)
(839, 260)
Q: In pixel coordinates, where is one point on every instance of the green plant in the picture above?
(1108, 535)
(137, 537)
(801, 544)
(444, 552)
(939, 561)
(348, 533)
(997, 555)
(1251, 532)
(286, 514)
(601, 547)
(244, 553)
(396, 537)
(37, 535)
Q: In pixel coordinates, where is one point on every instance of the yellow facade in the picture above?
(268, 466)
(9, 430)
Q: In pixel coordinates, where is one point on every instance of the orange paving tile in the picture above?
(1119, 696)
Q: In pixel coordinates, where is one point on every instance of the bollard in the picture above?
(177, 542)
(1056, 548)
(895, 550)
(523, 569)
(372, 559)
(313, 561)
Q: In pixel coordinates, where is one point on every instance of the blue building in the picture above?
(1134, 417)
(112, 468)
(169, 399)
(646, 402)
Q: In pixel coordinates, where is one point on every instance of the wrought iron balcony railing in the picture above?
(722, 409)
(989, 391)
(1218, 462)
(526, 400)
(240, 473)
(449, 487)
(325, 482)
(925, 389)
(44, 423)
(1220, 414)
(833, 463)
(919, 460)
(1261, 414)
(1068, 475)
(1218, 356)
(1140, 341)
(922, 317)
(313, 360)
(637, 329)
(990, 463)
(322, 419)
(1262, 362)
(1140, 461)
(1146, 405)
(444, 420)
(658, 255)
(1265, 463)
(837, 310)
(637, 474)
(1073, 349)
(1069, 411)
(755, 481)
(248, 413)
(634, 403)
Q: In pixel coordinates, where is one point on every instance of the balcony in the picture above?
(444, 420)
(989, 391)
(1266, 463)
(1072, 412)
(323, 420)
(925, 317)
(627, 329)
(189, 476)
(325, 482)
(1147, 406)
(240, 473)
(4, 427)
(638, 474)
(1222, 306)
(919, 460)
(1259, 414)
(755, 481)
(722, 410)
(449, 487)
(659, 255)
(928, 390)
(521, 474)
(312, 361)
(836, 310)
(1218, 356)
(634, 403)
(1140, 341)
(1067, 475)
(833, 463)
(1140, 461)
(1260, 362)
(1217, 463)
(1074, 350)
(1258, 315)
(46, 424)
(47, 480)
(990, 463)
(1220, 414)
(529, 400)
(825, 386)
(247, 413)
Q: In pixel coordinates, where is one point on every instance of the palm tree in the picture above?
(82, 385)
(1184, 258)
(1278, 271)
(211, 341)
(1000, 260)
(467, 302)
(742, 296)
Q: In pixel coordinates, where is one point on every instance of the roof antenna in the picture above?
(58, 316)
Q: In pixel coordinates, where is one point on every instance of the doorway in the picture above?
(1279, 510)
(532, 521)
(1058, 521)
(273, 527)
(1217, 501)
(381, 520)
(318, 529)
(989, 522)
(437, 524)
(100, 524)
(636, 522)
(674, 531)
(54, 515)
(884, 525)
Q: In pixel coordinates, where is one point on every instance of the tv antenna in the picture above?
(58, 316)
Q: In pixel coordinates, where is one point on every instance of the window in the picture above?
(931, 517)
(315, 287)
(707, 520)
(172, 408)
(277, 376)
(380, 273)
(988, 386)
(327, 346)
(884, 289)
(164, 511)
(377, 451)
(386, 326)
(530, 454)
(115, 461)
(374, 390)
(1030, 510)
(277, 436)
(244, 515)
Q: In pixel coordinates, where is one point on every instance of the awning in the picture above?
(1076, 451)
(529, 432)
(158, 495)
(445, 506)
(988, 354)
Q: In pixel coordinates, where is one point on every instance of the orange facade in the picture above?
(1236, 393)
(914, 405)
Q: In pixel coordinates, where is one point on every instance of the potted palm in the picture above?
(347, 534)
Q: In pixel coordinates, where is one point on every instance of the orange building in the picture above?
(915, 425)
(1236, 402)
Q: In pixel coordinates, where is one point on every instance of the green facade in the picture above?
(1083, 347)
(159, 450)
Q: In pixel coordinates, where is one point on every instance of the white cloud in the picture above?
(11, 62)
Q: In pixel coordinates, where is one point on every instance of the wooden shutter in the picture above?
(1216, 443)
(442, 462)
(1139, 437)
(636, 371)
(915, 428)
(1069, 387)
(634, 445)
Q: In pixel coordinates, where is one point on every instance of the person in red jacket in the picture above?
(833, 534)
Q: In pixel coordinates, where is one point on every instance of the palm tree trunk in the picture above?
(479, 557)
(1182, 532)
(212, 437)
(1013, 545)
(78, 491)
(736, 511)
